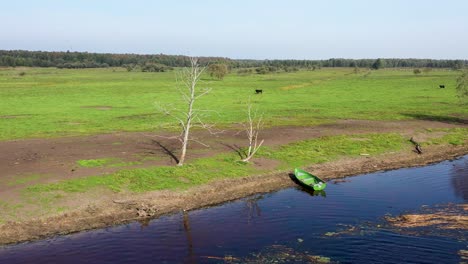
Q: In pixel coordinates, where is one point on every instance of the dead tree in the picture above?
(190, 117)
(252, 128)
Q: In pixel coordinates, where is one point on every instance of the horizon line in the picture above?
(208, 56)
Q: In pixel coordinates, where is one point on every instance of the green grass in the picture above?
(106, 162)
(91, 163)
(49, 102)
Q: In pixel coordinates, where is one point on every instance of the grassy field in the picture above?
(49, 102)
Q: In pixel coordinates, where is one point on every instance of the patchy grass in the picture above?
(9, 210)
(325, 149)
(24, 179)
(228, 166)
(106, 162)
(156, 178)
(453, 136)
(91, 163)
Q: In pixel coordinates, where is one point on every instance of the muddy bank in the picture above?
(125, 208)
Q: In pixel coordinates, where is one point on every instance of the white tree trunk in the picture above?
(252, 129)
(190, 116)
(190, 79)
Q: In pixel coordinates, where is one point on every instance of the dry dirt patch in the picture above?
(99, 107)
(14, 116)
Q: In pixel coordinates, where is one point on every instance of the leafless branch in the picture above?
(208, 127)
(187, 85)
(199, 142)
(207, 90)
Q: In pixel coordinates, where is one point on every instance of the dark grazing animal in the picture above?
(442, 86)
(258, 91)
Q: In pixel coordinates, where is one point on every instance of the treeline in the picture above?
(162, 62)
(14, 58)
(361, 63)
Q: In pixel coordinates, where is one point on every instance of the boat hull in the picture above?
(310, 180)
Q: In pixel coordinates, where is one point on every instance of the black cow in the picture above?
(441, 86)
(258, 91)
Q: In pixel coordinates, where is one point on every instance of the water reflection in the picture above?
(312, 192)
(188, 234)
(459, 172)
(252, 208)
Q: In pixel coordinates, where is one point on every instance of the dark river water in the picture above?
(346, 225)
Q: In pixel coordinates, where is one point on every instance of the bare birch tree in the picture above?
(190, 117)
(252, 127)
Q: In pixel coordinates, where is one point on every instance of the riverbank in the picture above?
(121, 208)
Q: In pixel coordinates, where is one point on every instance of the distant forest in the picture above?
(161, 62)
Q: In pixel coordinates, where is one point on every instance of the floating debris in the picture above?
(362, 229)
(443, 220)
(337, 181)
(450, 220)
(463, 255)
(280, 254)
(446, 217)
(228, 258)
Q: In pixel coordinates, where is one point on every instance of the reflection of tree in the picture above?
(460, 179)
(252, 208)
(144, 223)
(188, 234)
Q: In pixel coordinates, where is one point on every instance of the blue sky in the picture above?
(255, 29)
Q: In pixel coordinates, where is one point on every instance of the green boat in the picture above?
(309, 180)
